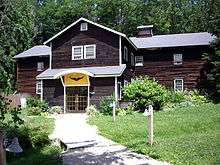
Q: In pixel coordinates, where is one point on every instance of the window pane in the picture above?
(177, 58)
(90, 52)
(138, 60)
(77, 53)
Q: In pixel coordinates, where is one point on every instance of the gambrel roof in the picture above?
(173, 40)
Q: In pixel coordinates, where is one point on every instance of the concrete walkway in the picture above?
(85, 146)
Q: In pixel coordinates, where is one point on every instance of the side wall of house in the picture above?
(100, 88)
(27, 72)
(159, 64)
(53, 92)
(107, 47)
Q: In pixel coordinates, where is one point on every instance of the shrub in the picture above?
(56, 109)
(92, 110)
(36, 102)
(145, 91)
(35, 106)
(105, 105)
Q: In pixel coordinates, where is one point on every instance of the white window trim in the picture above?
(40, 69)
(179, 62)
(41, 87)
(125, 53)
(81, 25)
(85, 46)
(73, 47)
(139, 64)
(174, 83)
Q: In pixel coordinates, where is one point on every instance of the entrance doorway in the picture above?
(76, 99)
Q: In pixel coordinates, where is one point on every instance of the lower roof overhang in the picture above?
(104, 71)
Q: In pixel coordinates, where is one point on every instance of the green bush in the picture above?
(181, 99)
(36, 102)
(55, 109)
(145, 91)
(92, 110)
(105, 105)
(35, 106)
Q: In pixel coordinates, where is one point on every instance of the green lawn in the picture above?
(184, 136)
(46, 155)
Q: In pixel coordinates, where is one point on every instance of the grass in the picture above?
(184, 136)
(42, 152)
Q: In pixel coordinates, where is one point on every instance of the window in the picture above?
(139, 60)
(125, 53)
(119, 90)
(77, 52)
(40, 66)
(83, 26)
(89, 51)
(177, 59)
(39, 87)
(178, 85)
(132, 59)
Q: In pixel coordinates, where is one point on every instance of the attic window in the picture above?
(177, 59)
(40, 66)
(84, 26)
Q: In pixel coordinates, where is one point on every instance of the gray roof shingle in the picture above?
(38, 50)
(173, 40)
(93, 71)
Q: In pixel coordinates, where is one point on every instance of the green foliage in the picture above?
(48, 155)
(35, 106)
(213, 78)
(92, 110)
(178, 99)
(55, 109)
(145, 91)
(105, 105)
(186, 136)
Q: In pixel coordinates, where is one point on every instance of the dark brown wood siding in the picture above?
(53, 92)
(27, 72)
(159, 64)
(107, 47)
(100, 88)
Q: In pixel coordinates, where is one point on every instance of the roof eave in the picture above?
(86, 20)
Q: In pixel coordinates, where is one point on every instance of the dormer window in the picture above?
(84, 26)
(90, 51)
(40, 66)
(177, 59)
(77, 52)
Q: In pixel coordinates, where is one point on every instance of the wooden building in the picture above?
(87, 61)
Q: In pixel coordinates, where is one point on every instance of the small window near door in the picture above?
(132, 59)
(178, 84)
(125, 53)
(90, 51)
(40, 66)
(139, 61)
(177, 59)
(77, 52)
(39, 87)
(84, 26)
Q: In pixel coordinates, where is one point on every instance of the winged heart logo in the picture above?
(76, 78)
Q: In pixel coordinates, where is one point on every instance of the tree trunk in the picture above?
(2, 150)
